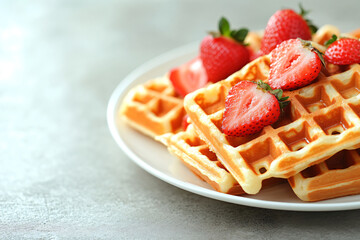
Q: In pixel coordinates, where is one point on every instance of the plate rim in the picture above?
(111, 116)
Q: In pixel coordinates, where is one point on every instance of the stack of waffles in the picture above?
(314, 146)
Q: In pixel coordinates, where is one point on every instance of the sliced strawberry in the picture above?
(344, 51)
(249, 107)
(188, 77)
(293, 64)
(283, 25)
(224, 52)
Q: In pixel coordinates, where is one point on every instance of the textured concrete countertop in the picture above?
(62, 175)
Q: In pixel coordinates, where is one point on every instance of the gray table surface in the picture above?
(62, 175)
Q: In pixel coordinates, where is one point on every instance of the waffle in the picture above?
(196, 155)
(322, 119)
(153, 108)
(337, 176)
(355, 33)
(325, 33)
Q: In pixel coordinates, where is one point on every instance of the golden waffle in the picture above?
(322, 119)
(325, 33)
(355, 33)
(337, 176)
(153, 108)
(196, 155)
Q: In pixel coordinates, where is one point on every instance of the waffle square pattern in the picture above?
(335, 177)
(153, 108)
(322, 120)
(196, 155)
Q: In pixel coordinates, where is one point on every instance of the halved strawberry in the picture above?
(293, 64)
(343, 51)
(188, 77)
(249, 107)
(286, 24)
(224, 52)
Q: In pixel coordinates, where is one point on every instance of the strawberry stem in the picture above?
(307, 44)
(278, 93)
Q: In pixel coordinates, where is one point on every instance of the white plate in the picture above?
(155, 159)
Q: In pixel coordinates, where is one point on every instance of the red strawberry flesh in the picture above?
(248, 109)
(293, 65)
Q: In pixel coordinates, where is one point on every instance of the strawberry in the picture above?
(283, 25)
(224, 53)
(294, 63)
(188, 77)
(250, 106)
(344, 51)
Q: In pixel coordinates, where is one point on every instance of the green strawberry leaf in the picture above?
(283, 104)
(224, 30)
(239, 35)
(303, 13)
(312, 27)
(331, 40)
(277, 92)
(263, 85)
(224, 27)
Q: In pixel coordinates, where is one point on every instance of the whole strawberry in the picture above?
(283, 25)
(293, 64)
(343, 51)
(250, 106)
(224, 53)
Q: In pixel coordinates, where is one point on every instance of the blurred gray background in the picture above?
(61, 174)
